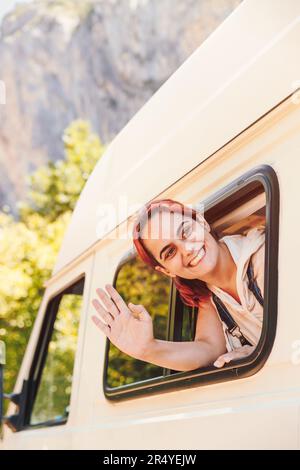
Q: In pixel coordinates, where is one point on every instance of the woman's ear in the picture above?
(164, 271)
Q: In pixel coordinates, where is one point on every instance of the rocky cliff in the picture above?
(99, 60)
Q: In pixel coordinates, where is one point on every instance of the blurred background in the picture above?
(74, 72)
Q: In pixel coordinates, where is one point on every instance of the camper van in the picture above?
(222, 133)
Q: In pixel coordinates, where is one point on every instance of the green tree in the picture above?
(55, 187)
(29, 246)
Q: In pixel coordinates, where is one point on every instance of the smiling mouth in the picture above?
(199, 256)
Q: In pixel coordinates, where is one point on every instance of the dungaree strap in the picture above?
(253, 287)
(225, 316)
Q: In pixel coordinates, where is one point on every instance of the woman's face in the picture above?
(184, 247)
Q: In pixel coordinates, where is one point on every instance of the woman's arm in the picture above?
(208, 345)
(130, 329)
(181, 356)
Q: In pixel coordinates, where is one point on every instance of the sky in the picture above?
(8, 5)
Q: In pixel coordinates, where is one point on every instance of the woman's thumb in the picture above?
(139, 309)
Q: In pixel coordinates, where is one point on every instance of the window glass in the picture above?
(139, 284)
(53, 395)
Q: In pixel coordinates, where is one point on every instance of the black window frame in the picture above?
(241, 368)
(26, 398)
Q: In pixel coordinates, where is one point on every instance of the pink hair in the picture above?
(192, 291)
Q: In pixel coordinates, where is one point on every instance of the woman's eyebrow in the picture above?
(178, 235)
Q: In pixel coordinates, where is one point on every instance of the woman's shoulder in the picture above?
(206, 303)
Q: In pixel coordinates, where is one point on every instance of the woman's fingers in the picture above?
(219, 362)
(113, 308)
(224, 359)
(102, 312)
(236, 354)
(122, 306)
(109, 304)
(139, 311)
(101, 325)
(114, 305)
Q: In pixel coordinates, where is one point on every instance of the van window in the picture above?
(139, 284)
(52, 372)
(251, 201)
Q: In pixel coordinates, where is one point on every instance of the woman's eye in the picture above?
(170, 252)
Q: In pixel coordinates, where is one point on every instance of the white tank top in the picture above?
(249, 314)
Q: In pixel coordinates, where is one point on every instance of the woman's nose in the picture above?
(189, 247)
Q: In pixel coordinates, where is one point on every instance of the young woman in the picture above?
(223, 278)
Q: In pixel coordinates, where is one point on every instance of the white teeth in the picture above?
(198, 258)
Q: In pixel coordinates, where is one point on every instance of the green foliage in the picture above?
(28, 250)
(29, 246)
(27, 255)
(55, 188)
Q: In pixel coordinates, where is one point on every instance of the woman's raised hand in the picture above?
(129, 327)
